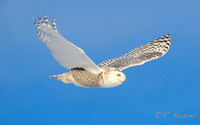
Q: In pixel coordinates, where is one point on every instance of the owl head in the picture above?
(114, 78)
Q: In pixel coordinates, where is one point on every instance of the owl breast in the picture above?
(84, 78)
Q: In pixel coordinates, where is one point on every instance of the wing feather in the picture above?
(153, 50)
(66, 53)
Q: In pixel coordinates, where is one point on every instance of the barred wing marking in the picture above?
(66, 53)
(140, 55)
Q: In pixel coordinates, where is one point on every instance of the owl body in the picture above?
(84, 72)
(110, 77)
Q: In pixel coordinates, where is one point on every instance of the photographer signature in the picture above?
(166, 115)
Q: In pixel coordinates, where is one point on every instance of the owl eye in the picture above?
(118, 75)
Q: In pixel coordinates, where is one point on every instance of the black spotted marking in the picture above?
(54, 25)
(46, 19)
(165, 50)
(167, 36)
(36, 21)
(167, 47)
(77, 68)
(40, 19)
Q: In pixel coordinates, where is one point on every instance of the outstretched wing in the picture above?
(140, 55)
(66, 53)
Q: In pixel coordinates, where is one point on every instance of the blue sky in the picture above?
(103, 29)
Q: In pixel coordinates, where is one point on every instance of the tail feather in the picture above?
(59, 77)
(63, 77)
(53, 77)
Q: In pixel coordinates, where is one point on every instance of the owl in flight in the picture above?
(84, 72)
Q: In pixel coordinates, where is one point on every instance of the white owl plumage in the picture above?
(84, 72)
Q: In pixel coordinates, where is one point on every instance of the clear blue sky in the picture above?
(104, 29)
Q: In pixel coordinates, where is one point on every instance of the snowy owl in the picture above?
(84, 72)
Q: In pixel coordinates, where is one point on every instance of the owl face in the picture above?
(113, 79)
(117, 75)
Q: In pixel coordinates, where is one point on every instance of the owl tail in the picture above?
(59, 77)
(63, 77)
